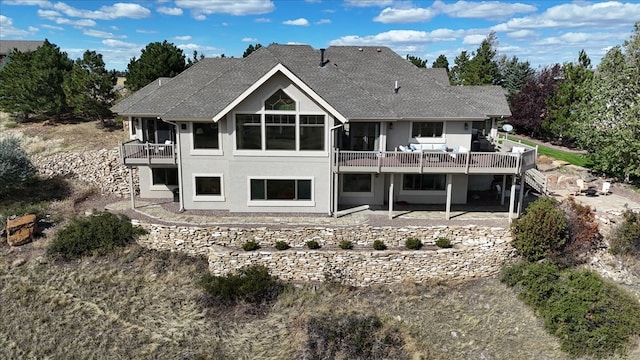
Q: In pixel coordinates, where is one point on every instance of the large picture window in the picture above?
(281, 132)
(280, 189)
(427, 129)
(164, 176)
(357, 183)
(248, 131)
(311, 132)
(424, 182)
(205, 136)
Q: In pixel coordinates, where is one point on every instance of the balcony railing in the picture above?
(135, 152)
(433, 162)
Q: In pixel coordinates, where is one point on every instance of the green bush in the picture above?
(379, 245)
(626, 236)
(352, 336)
(413, 243)
(281, 245)
(312, 244)
(444, 243)
(100, 233)
(589, 316)
(250, 245)
(15, 166)
(540, 231)
(346, 245)
(252, 284)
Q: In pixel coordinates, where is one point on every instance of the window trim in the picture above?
(196, 197)
(437, 139)
(281, 203)
(423, 192)
(200, 152)
(357, 193)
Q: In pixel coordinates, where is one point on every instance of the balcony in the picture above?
(433, 162)
(135, 152)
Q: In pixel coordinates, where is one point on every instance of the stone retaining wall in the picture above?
(477, 252)
(100, 168)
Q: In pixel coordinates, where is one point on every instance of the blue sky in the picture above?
(542, 32)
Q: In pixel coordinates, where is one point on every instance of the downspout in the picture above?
(180, 189)
(333, 206)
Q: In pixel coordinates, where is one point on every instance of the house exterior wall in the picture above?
(459, 183)
(150, 191)
(454, 135)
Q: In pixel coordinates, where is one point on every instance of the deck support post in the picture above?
(504, 185)
(391, 197)
(335, 195)
(512, 198)
(131, 189)
(521, 196)
(447, 214)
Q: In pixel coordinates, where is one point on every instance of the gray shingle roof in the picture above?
(6, 46)
(358, 82)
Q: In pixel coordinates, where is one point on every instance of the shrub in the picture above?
(281, 245)
(15, 166)
(312, 244)
(97, 234)
(346, 245)
(413, 243)
(583, 234)
(250, 245)
(252, 284)
(444, 243)
(352, 336)
(379, 245)
(540, 231)
(589, 316)
(626, 236)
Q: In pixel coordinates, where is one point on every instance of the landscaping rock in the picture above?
(21, 229)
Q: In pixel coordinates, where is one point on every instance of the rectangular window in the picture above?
(281, 132)
(205, 135)
(311, 132)
(426, 129)
(248, 132)
(164, 176)
(356, 183)
(280, 189)
(424, 181)
(208, 185)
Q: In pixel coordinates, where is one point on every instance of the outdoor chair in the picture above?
(606, 186)
(581, 187)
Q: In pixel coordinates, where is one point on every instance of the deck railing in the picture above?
(135, 152)
(436, 161)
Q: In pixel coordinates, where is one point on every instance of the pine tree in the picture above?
(156, 60)
(417, 61)
(441, 62)
(251, 48)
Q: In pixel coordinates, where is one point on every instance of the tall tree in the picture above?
(529, 106)
(192, 60)
(89, 87)
(156, 60)
(251, 48)
(609, 124)
(417, 61)
(459, 71)
(441, 62)
(36, 82)
(483, 66)
(564, 105)
(514, 74)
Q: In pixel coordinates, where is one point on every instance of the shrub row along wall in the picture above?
(100, 168)
(477, 252)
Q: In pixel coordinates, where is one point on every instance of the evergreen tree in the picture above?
(483, 68)
(459, 71)
(514, 74)
(441, 62)
(417, 61)
(16, 85)
(195, 58)
(156, 60)
(251, 48)
(89, 87)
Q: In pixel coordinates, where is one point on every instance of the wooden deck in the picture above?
(136, 153)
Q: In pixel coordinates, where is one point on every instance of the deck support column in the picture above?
(447, 214)
(131, 189)
(512, 197)
(523, 183)
(504, 188)
(336, 190)
(391, 197)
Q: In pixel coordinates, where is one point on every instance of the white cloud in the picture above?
(48, 14)
(520, 34)
(367, 3)
(144, 31)
(401, 16)
(386, 38)
(78, 23)
(483, 9)
(231, 7)
(121, 44)
(7, 30)
(101, 34)
(200, 17)
(297, 22)
(473, 39)
(115, 11)
(262, 20)
(249, 39)
(183, 38)
(323, 21)
(169, 11)
(41, 3)
(52, 27)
